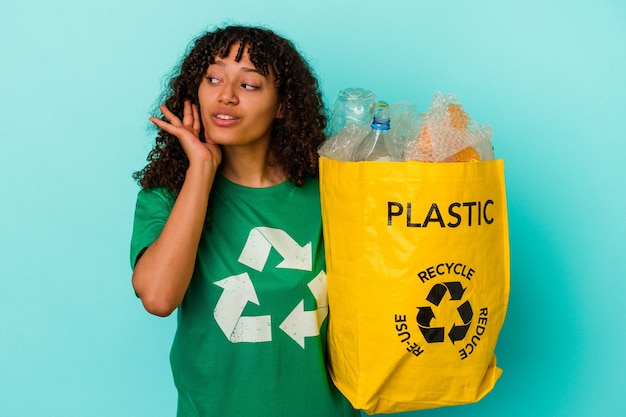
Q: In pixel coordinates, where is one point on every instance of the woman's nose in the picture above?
(228, 94)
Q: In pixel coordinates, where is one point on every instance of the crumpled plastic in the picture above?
(445, 133)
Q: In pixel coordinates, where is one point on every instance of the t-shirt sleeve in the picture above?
(152, 209)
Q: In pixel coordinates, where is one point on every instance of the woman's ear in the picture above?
(279, 112)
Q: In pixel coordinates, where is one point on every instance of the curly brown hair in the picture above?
(295, 137)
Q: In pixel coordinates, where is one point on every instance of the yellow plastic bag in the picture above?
(418, 280)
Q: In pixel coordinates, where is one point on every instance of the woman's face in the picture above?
(238, 104)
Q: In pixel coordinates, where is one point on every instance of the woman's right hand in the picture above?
(188, 133)
(163, 273)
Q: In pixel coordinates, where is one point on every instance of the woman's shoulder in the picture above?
(156, 195)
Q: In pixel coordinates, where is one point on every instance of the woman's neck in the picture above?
(250, 169)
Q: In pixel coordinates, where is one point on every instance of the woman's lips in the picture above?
(225, 118)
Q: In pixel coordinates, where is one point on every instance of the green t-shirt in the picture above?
(251, 336)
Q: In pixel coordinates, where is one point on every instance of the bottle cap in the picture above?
(381, 122)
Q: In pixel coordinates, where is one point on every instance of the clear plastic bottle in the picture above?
(378, 144)
(351, 106)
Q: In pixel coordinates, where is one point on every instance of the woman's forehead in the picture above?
(239, 51)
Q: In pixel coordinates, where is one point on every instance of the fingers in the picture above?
(187, 131)
(188, 116)
(172, 124)
(163, 125)
(196, 118)
(171, 117)
(191, 117)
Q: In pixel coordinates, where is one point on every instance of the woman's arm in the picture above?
(162, 274)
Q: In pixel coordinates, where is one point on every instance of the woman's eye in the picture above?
(212, 80)
(247, 86)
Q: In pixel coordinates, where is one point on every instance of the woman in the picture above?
(228, 230)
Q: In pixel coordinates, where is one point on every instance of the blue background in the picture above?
(78, 80)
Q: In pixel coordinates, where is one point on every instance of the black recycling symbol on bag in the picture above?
(425, 314)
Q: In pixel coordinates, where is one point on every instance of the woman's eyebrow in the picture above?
(243, 68)
(248, 69)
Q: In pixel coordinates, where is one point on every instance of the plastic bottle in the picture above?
(351, 106)
(378, 144)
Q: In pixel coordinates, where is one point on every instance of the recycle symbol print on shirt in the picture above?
(238, 291)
